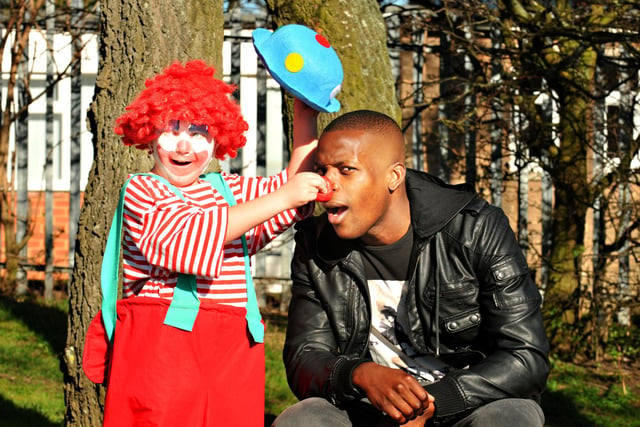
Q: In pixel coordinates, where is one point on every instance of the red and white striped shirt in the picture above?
(164, 235)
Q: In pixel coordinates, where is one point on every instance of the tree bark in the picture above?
(572, 194)
(356, 30)
(568, 66)
(138, 39)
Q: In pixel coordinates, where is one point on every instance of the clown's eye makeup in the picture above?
(173, 126)
(194, 130)
(199, 130)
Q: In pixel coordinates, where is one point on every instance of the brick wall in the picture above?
(36, 248)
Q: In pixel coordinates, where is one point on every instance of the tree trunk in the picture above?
(357, 32)
(138, 39)
(14, 118)
(572, 197)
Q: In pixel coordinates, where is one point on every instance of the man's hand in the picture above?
(394, 392)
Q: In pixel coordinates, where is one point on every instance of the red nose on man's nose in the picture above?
(325, 196)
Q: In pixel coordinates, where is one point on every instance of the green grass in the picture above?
(32, 337)
(591, 395)
(278, 396)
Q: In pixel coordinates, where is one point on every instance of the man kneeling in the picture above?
(402, 265)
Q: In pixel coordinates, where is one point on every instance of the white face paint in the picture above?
(182, 153)
(197, 135)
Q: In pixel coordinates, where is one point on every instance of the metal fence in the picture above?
(53, 154)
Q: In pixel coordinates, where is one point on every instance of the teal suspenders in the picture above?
(185, 304)
(254, 319)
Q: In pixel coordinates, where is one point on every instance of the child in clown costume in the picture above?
(176, 224)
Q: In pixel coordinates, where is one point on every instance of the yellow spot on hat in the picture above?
(294, 62)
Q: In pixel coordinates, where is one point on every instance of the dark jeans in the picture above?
(318, 412)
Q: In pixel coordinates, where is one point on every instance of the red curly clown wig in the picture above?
(186, 93)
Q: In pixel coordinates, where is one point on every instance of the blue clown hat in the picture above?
(303, 62)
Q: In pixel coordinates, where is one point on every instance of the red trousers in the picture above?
(159, 375)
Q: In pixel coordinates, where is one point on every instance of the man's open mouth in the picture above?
(335, 214)
(335, 210)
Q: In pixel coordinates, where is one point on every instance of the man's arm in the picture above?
(313, 362)
(316, 367)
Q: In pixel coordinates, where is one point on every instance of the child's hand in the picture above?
(303, 188)
(326, 194)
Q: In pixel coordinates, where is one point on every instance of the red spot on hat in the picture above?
(323, 41)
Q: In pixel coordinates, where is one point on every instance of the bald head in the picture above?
(388, 134)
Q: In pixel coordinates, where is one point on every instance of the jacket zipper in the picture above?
(359, 283)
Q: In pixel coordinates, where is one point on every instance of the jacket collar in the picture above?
(427, 217)
(434, 203)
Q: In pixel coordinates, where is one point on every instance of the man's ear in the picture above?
(396, 176)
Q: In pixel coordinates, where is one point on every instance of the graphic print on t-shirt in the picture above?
(386, 268)
(385, 295)
(387, 279)
(385, 299)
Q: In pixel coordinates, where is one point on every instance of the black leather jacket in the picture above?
(470, 292)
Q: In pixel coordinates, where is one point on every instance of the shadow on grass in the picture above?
(49, 322)
(269, 419)
(13, 416)
(560, 411)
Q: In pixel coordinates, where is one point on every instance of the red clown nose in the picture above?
(325, 196)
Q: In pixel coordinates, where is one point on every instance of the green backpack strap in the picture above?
(185, 303)
(254, 319)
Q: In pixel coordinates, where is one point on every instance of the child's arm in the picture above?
(300, 189)
(168, 232)
(305, 138)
